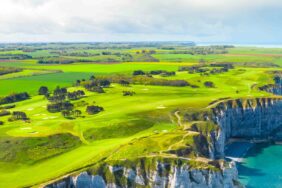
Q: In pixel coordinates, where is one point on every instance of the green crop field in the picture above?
(148, 122)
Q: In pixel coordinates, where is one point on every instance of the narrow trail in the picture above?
(199, 159)
(83, 140)
(214, 104)
(177, 143)
(178, 118)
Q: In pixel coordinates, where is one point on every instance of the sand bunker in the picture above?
(26, 128)
(161, 107)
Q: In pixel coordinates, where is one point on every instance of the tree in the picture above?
(77, 113)
(43, 90)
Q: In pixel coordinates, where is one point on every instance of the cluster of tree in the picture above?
(97, 89)
(56, 61)
(17, 115)
(146, 80)
(1, 122)
(28, 50)
(94, 84)
(216, 69)
(8, 70)
(75, 95)
(144, 58)
(146, 51)
(106, 53)
(128, 93)
(57, 100)
(162, 73)
(4, 113)
(204, 50)
(71, 113)
(60, 106)
(154, 72)
(60, 91)
(209, 84)
(194, 69)
(59, 95)
(127, 57)
(78, 54)
(15, 56)
(94, 109)
(16, 97)
(224, 65)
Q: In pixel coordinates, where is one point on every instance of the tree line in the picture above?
(16, 97)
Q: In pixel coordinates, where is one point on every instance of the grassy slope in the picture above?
(125, 119)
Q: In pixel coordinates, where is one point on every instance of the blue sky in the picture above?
(211, 21)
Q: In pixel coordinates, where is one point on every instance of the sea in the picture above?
(259, 165)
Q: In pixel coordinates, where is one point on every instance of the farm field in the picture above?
(82, 110)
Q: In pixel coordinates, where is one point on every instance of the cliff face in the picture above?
(175, 173)
(275, 88)
(251, 119)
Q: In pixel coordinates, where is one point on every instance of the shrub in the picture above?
(94, 109)
(138, 72)
(209, 84)
(4, 113)
(124, 82)
(128, 93)
(8, 106)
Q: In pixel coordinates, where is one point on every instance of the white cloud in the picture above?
(96, 20)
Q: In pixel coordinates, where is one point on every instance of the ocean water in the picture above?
(262, 167)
